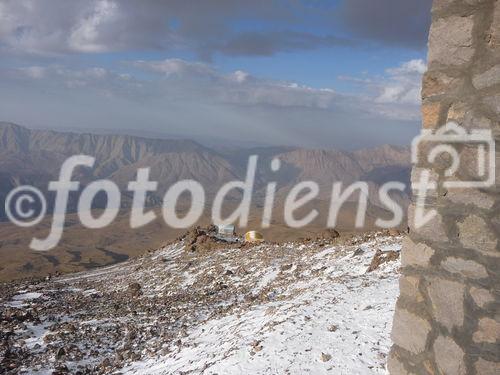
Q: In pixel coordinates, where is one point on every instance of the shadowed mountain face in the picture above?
(34, 157)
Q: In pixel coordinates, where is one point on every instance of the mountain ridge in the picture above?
(34, 157)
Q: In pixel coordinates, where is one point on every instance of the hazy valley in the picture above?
(34, 157)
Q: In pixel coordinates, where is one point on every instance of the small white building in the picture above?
(226, 230)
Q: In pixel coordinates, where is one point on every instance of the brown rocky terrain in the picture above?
(218, 308)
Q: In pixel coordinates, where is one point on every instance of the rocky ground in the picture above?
(200, 306)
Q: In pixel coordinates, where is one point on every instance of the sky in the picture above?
(319, 73)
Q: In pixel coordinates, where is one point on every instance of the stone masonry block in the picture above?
(415, 254)
(410, 331)
(409, 287)
(475, 234)
(466, 268)
(485, 367)
(487, 79)
(438, 83)
(488, 331)
(471, 196)
(432, 229)
(450, 40)
(449, 356)
(492, 102)
(447, 299)
(495, 28)
(442, 4)
(481, 297)
(458, 111)
(395, 366)
(431, 113)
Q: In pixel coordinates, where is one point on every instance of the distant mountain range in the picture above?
(35, 156)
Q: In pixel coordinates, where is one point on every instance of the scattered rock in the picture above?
(394, 232)
(286, 267)
(333, 328)
(330, 234)
(325, 357)
(359, 251)
(60, 354)
(135, 289)
(382, 257)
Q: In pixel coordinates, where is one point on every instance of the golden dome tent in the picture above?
(254, 236)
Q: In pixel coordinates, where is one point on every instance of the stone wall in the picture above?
(447, 318)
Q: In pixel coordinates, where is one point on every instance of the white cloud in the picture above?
(197, 99)
(417, 66)
(176, 67)
(58, 78)
(54, 27)
(395, 96)
(6, 21)
(403, 84)
(204, 82)
(240, 76)
(86, 34)
(399, 93)
(35, 72)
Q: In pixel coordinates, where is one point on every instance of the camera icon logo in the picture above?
(445, 141)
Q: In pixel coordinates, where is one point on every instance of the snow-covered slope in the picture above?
(305, 308)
